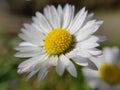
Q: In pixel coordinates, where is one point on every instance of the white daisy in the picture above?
(108, 75)
(57, 37)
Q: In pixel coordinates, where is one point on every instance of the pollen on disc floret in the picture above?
(57, 41)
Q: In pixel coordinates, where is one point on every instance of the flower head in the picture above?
(108, 75)
(56, 37)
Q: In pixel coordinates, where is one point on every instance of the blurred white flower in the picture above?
(108, 75)
(57, 37)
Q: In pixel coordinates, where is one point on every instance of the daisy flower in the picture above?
(108, 75)
(56, 38)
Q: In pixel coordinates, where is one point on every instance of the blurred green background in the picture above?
(13, 13)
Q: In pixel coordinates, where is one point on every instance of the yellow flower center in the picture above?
(110, 73)
(57, 41)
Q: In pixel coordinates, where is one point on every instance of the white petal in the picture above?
(52, 16)
(68, 13)
(41, 23)
(99, 61)
(89, 24)
(25, 69)
(31, 74)
(80, 61)
(89, 17)
(107, 53)
(91, 42)
(46, 11)
(28, 48)
(95, 52)
(78, 21)
(39, 37)
(90, 73)
(27, 44)
(93, 83)
(30, 39)
(91, 77)
(24, 54)
(60, 11)
(83, 53)
(71, 54)
(71, 17)
(53, 60)
(33, 65)
(104, 86)
(44, 22)
(111, 55)
(34, 60)
(33, 31)
(92, 65)
(88, 45)
(99, 22)
(68, 65)
(92, 38)
(60, 67)
(71, 69)
(47, 63)
(78, 52)
(42, 74)
(117, 87)
(55, 17)
(116, 55)
(86, 31)
(102, 38)
(40, 27)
